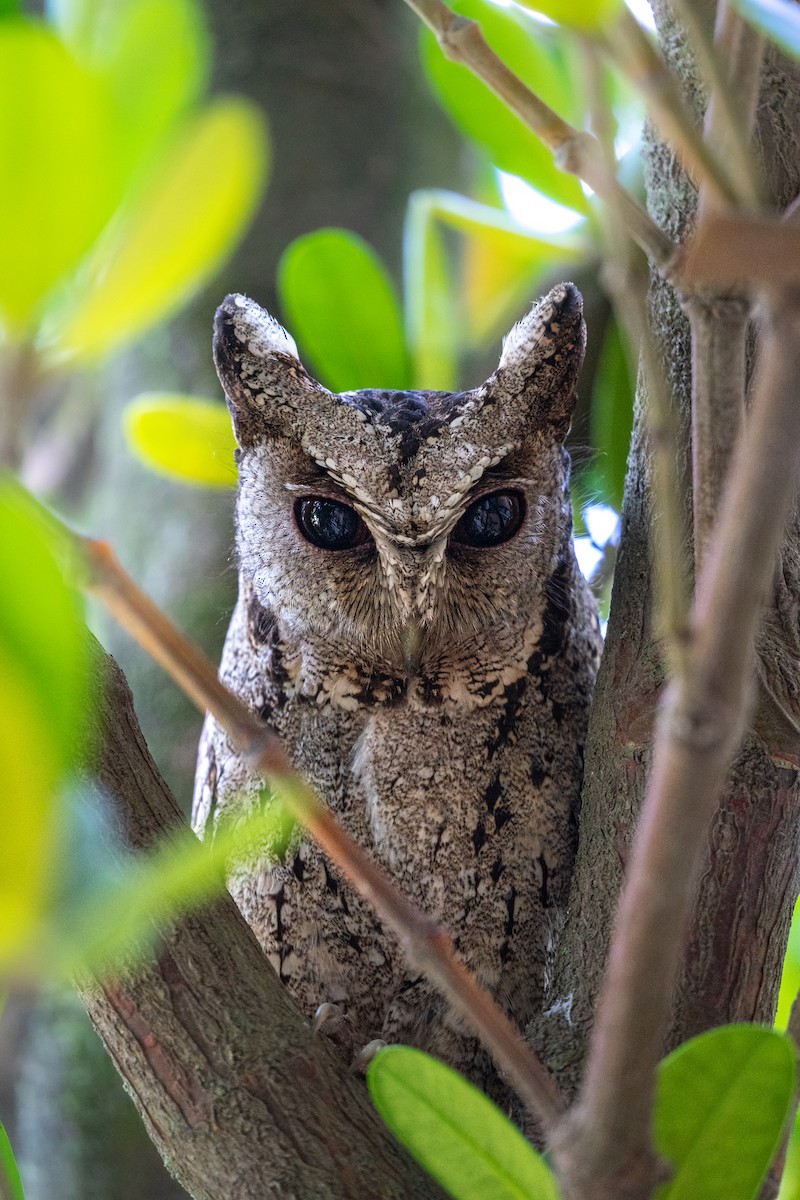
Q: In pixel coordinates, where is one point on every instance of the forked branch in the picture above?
(575, 151)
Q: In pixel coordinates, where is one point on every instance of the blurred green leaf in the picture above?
(538, 56)
(155, 55)
(9, 8)
(342, 308)
(60, 167)
(458, 1135)
(778, 19)
(78, 21)
(10, 1182)
(502, 263)
(186, 438)
(120, 919)
(790, 980)
(578, 14)
(43, 697)
(41, 625)
(432, 321)
(30, 776)
(790, 1181)
(721, 1107)
(175, 234)
(612, 416)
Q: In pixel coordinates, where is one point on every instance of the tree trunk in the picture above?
(751, 874)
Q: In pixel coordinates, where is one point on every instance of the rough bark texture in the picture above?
(750, 878)
(238, 1095)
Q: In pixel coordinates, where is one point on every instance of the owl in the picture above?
(413, 624)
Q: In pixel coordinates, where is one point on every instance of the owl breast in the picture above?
(413, 624)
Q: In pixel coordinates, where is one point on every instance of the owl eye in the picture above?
(329, 524)
(491, 520)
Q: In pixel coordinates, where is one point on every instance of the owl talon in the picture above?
(365, 1056)
(327, 1015)
(334, 1023)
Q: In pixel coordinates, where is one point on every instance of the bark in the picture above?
(750, 876)
(238, 1095)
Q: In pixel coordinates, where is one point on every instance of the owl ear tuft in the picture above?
(542, 357)
(258, 366)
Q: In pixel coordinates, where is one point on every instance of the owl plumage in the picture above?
(413, 624)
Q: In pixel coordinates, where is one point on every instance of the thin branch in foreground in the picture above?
(603, 1146)
(719, 373)
(627, 287)
(424, 941)
(730, 251)
(733, 55)
(576, 152)
(635, 56)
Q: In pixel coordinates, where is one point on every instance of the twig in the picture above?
(718, 323)
(634, 54)
(627, 286)
(733, 56)
(731, 251)
(423, 939)
(575, 151)
(603, 1146)
(719, 371)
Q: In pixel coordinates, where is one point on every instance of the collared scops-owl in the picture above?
(413, 623)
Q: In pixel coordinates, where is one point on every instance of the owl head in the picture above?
(394, 526)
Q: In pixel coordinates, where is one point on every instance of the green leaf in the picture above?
(184, 437)
(790, 979)
(177, 232)
(60, 167)
(502, 263)
(778, 19)
(458, 1135)
(10, 1182)
(538, 56)
(155, 56)
(432, 322)
(721, 1107)
(790, 1181)
(121, 918)
(9, 8)
(612, 416)
(43, 699)
(41, 624)
(592, 15)
(342, 308)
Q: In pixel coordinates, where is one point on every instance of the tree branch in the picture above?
(604, 1144)
(730, 251)
(733, 59)
(576, 152)
(425, 942)
(719, 371)
(236, 1092)
(634, 55)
